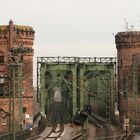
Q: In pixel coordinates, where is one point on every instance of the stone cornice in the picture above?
(127, 39)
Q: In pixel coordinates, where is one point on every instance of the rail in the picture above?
(35, 137)
(77, 137)
(54, 134)
(36, 116)
(128, 135)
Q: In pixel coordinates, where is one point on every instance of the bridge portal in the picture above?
(81, 80)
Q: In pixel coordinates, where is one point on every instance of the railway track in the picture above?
(77, 137)
(55, 133)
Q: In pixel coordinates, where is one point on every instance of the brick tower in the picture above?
(16, 50)
(128, 54)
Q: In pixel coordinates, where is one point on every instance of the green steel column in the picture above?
(10, 91)
(74, 94)
(83, 95)
(113, 90)
(115, 86)
(126, 102)
(85, 130)
(135, 92)
(19, 96)
(136, 96)
(107, 96)
(13, 101)
(43, 96)
(126, 97)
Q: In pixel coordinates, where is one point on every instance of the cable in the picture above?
(92, 94)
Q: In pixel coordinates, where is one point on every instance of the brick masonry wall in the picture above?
(21, 35)
(128, 46)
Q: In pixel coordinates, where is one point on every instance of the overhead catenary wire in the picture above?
(87, 91)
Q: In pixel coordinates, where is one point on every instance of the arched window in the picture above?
(1, 57)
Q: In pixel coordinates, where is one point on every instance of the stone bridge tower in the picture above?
(13, 37)
(128, 54)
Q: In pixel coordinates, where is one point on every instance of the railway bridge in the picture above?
(66, 84)
(81, 80)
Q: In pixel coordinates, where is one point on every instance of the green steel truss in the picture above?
(82, 79)
(15, 91)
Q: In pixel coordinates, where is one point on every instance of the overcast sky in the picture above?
(73, 27)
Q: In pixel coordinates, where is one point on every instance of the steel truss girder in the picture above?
(68, 60)
(76, 59)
